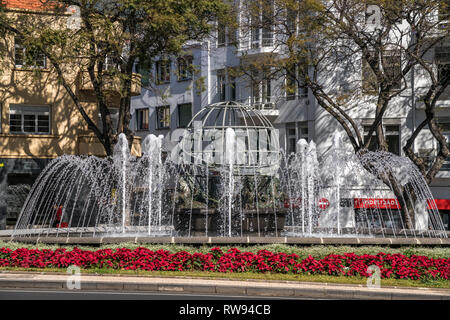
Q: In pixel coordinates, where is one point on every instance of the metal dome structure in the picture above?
(231, 132)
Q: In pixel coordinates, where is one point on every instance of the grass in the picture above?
(355, 280)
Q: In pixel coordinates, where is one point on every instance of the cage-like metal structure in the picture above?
(207, 141)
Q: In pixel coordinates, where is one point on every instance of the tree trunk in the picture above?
(403, 195)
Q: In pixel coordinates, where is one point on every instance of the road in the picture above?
(35, 294)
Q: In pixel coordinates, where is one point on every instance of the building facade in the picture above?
(38, 119)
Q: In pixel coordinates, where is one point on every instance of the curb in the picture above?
(354, 241)
(212, 287)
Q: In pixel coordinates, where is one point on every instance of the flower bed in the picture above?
(396, 266)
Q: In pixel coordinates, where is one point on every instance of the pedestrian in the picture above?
(59, 211)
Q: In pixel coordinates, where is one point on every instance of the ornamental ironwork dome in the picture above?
(231, 133)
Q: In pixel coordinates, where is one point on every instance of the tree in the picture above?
(105, 39)
(356, 55)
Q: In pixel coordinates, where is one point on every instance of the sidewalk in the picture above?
(218, 286)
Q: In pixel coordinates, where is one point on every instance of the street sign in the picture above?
(324, 203)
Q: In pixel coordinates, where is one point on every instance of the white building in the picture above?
(177, 94)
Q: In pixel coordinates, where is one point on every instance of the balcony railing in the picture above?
(266, 104)
(261, 43)
(272, 102)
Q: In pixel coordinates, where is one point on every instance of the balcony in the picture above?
(260, 43)
(112, 85)
(266, 107)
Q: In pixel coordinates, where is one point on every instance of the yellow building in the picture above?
(38, 119)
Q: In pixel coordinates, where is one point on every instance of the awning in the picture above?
(439, 204)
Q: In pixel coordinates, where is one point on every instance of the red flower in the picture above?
(349, 264)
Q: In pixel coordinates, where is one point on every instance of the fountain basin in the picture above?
(201, 222)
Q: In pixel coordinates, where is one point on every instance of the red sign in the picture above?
(371, 203)
(324, 203)
(297, 203)
(439, 204)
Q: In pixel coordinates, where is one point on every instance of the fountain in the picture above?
(227, 177)
(230, 152)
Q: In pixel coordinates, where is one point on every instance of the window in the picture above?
(144, 70)
(291, 22)
(261, 25)
(266, 90)
(295, 88)
(303, 131)
(27, 57)
(142, 119)
(261, 87)
(290, 87)
(442, 59)
(255, 32)
(443, 71)
(109, 64)
(221, 85)
(19, 52)
(291, 137)
(163, 117)
(255, 91)
(295, 132)
(302, 88)
(232, 30)
(221, 35)
(227, 32)
(392, 136)
(184, 68)
(232, 87)
(445, 127)
(373, 146)
(302, 91)
(163, 71)
(226, 86)
(29, 119)
(184, 114)
(267, 21)
(393, 69)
